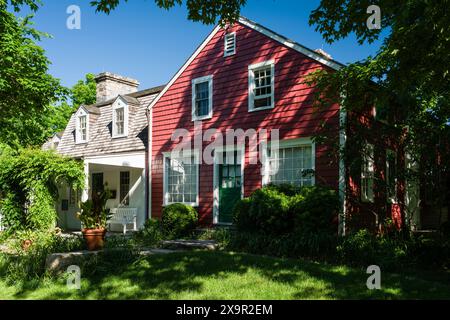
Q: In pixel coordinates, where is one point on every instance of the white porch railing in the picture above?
(125, 217)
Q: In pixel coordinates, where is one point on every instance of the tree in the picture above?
(408, 80)
(205, 11)
(56, 117)
(26, 88)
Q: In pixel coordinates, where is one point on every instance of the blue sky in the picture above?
(149, 44)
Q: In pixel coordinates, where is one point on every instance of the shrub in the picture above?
(29, 263)
(151, 234)
(314, 210)
(287, 189)
(178, 220)
(269, 211)
(241, 216)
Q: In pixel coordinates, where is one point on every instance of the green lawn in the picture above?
(221, 275)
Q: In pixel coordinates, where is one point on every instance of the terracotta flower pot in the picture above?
(95, 238)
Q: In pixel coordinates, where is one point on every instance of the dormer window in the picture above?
(82, 128)
(230, 44)
(120, 119)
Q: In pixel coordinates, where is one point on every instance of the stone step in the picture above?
(58, 262)
(190, 244)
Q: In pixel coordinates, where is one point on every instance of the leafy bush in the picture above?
(28, 262)
(151, 234)
(315, 210)
(269, 212)
(287, 189)
(241, 216)
(178, 220)
(393, 252)
(29, 180)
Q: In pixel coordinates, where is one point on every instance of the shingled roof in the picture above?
(101, 141)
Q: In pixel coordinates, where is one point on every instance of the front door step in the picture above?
(190, 244)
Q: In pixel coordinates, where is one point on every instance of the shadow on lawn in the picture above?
(166, 276)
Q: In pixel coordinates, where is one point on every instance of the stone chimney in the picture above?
(110, 85)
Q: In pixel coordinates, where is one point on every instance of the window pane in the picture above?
(181, 180)
(289, 165)
(125, 187)
(202, 99)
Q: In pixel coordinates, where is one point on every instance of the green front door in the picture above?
(230, 181)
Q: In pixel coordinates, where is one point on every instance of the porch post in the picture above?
(85, 194)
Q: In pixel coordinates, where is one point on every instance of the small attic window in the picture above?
(230, 44)
(82, 128)
(120, 119)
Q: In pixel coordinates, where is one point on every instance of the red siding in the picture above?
(293, 114)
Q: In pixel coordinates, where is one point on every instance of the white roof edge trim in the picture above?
(290, 44)
(184, 67)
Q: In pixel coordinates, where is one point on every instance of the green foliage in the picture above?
(315, 210)
(241, 215)
(27, 264)
(393, 252)
(206, 12)
(284, 209)
(151, 234)
(29, 180)
(269, 211)
(94, 213)
(26, 88)
(179, 220)
(84, 92)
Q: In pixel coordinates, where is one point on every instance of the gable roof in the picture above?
(101, 141)
(257, 27)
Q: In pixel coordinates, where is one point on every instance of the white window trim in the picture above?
(210, 97)
(185, 153)
(225, 51)
(125, 118)
(371, 170)
(78, 138)
(251, 84)
(300, 142)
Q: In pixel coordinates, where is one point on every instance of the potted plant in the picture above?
(94, 217)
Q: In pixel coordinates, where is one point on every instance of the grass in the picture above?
(223, 275)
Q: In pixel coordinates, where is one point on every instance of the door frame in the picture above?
(217, 151)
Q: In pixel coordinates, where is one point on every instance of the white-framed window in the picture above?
(261, 86)
(391, 175)
(367, 174)
(202, 98)
(230, 44)
(181, 178)
(293, 162)
(120, 119)
(82, 127)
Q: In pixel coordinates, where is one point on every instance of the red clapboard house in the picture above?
(248, 77)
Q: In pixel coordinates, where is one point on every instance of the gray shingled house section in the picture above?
(100, 130)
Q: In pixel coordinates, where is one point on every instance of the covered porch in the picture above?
(124, 176)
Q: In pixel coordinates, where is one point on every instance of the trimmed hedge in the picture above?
(178, 220)
(279, 210)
